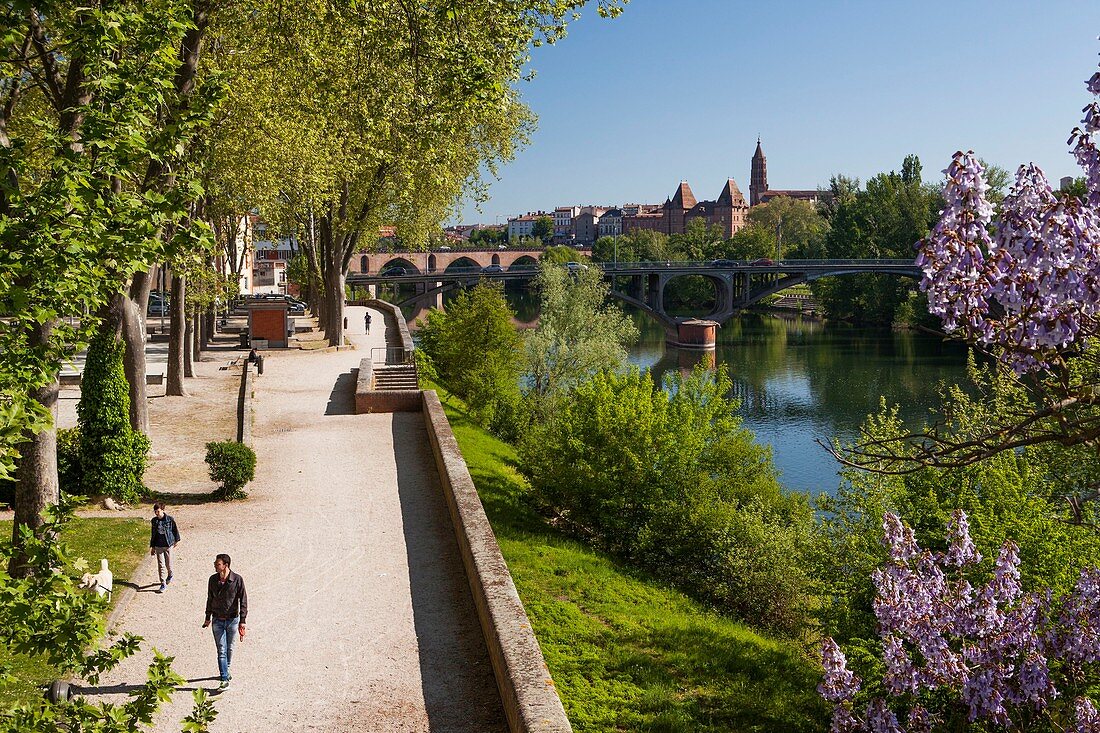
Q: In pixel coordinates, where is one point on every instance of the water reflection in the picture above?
(799, 380)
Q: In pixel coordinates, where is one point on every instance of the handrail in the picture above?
(391, 355)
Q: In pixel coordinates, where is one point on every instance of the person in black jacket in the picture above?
(227, 608)
(164, 536)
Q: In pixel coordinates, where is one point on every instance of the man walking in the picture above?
(366, 321)
(227, 609)
(164, 536)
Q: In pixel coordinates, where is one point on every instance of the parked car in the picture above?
(763, 262)
(297, 308)
(158, 308)
(492, 270)
(723, 263)
(394, 271)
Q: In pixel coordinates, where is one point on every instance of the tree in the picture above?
(543, 229)
(698, 243)
(87, 93)
(797, 223)
(750, 243)
(476, 352)
(401, 108)
(640, 245)
(579, 332)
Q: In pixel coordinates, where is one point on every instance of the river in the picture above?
(800, 380)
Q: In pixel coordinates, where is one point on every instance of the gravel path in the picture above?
(360, 617)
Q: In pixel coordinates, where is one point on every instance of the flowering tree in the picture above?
(956, 655)
(1026, 289)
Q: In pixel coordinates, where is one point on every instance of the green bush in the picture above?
(670, 480)
(232, 465)
(112, 456)
(69, 472)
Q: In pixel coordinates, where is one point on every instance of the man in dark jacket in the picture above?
(227, 609)
(164, 536)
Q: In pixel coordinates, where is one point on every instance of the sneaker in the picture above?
(161, 588)
(223, 685)
(169, 579)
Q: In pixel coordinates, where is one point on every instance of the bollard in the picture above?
(104, 580)
(59, 691)
(259, 365)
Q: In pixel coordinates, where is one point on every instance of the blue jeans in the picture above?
(225, 637)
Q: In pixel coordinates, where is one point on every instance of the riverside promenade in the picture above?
(360, 616)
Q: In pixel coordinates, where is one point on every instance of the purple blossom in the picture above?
(1086, 719)
(839, 684)
(992, 648)
(1032, 290)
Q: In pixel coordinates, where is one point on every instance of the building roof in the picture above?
(683, 198)
(793, 193)
(731, 195)
(759, 154)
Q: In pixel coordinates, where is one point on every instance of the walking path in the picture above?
(360, 616)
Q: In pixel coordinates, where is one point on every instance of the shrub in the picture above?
(232, 465)
(112, 456)
(670, 480)
(69, 472)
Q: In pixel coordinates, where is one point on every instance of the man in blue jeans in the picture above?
(227, 609)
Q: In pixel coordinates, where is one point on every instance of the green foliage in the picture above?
(543, 229)
(884, 220)
(488, 237)
(640, 245)
(751, 243)
(112, 454)
(1011, 495)
(669, 479)
(578, 334)
(698, 242)
(70, 471)
(797, 223)
(232, 465)
(474, 348)
(562, 254)
(625, 651)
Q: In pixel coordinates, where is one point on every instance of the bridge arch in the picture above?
(400, 262)
(460, 263)
(431, 262)
(526, 262)
(717, 286)
(496, 259)
(364, 264)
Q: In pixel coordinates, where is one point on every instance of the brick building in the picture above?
(759, 193)
(727, 212)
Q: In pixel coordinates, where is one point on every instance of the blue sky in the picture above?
(679, 89)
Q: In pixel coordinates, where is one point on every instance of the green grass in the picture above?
(123, 542)
(625, 651)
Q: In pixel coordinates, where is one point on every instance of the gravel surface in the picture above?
(360, 616)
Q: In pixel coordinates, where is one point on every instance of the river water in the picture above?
(800, 380)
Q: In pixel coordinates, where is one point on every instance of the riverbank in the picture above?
(625, 652)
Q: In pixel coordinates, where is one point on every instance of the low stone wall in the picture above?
(392, 311)
(530, 701)
(244, 405)
(367, 399)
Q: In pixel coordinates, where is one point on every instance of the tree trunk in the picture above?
(134, 331)
(176, 337)
(189, 341)
(198, 338)
(334, 310)
(36, 475)
(209, 327)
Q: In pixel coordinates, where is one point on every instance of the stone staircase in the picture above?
(394, 377)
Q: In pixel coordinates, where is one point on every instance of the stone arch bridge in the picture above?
(738, 285)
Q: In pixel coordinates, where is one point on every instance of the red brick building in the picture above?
(727, 212)
(759, 193)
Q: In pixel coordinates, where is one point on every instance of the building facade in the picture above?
(727, 212)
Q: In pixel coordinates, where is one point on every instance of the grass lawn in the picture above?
(123, 542)
(626, 652)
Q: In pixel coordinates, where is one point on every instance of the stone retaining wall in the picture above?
(368, 399)
(531, 703)
(392, 311)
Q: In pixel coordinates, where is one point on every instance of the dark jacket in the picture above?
(226, 600)
(164, 532)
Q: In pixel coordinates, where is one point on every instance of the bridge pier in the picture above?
(695, 334)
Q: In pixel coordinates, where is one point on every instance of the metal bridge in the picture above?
(738, 284)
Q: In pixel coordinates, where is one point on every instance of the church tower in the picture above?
(758, 181)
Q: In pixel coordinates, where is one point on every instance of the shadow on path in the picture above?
(341, 401)
(460, 692)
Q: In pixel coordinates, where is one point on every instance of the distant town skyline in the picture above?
(680, 91)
